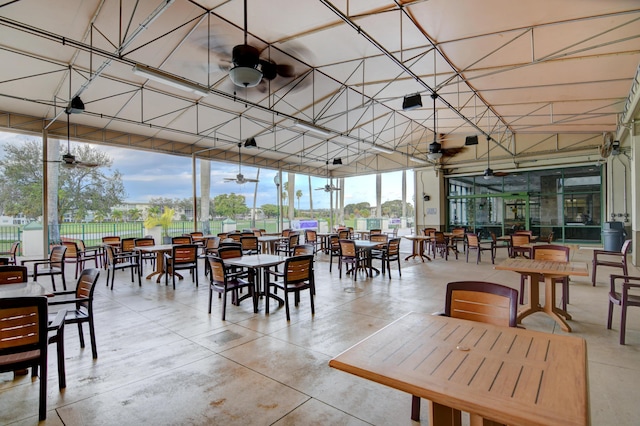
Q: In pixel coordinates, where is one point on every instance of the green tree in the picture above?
(298, 196)
(354, 209)
(393, 208)
(269, 210)
(134, 214)
(80, 190)
(230, 205)
(117, 215)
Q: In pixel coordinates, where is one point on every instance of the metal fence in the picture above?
(9, 234)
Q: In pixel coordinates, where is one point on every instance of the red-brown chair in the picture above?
(612, 259)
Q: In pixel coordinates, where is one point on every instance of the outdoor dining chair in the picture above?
(182, 257)
(12, 253)
(297, 275)
(624, 291)
(121, 261)
(52, 266)
(612, 259)
(24, 330)
(82, 312)
(223, 281)
(10, 274)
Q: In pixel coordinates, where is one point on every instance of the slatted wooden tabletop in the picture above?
(544, 267)
(509, 375)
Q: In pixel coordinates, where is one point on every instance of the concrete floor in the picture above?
(164, 360)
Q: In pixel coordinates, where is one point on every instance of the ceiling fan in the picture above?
(436, 151)
(240, 179)
(329, 187)
(245, 66)
(76, 106)
(488, 172)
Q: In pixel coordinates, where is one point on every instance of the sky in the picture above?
(149, 175)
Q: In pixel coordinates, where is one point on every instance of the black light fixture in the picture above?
(245, 60)
(337, 161)
(250, 143)
(471, 140)
(412, 102)
(76, 106)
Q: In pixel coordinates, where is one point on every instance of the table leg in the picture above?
(441, 415)
(550, 304)
(418, 251)
(534, 297)
(159, 267)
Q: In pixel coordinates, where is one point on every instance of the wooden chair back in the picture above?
(111, 240)
(250, 244)
(344, 234)
(555, 253)
(73, 252)
(348, 248)
(472, 240)
(483, 302)
(144, 242)
(56, 258)
(379, 238)
(187, 253)
(310, 236)
(298, 269)
(128, 244)
(227, 252)
(302, 249)
(519, 240)
(11, 274)
(24, 341)
(181, 240)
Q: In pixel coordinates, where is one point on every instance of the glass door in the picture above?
(516, 213)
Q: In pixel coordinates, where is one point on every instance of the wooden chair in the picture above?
(624, 292)
(350, 255)
(83, 301)
(121, 261)
(442, 245)
(12, 253)
(24, 328)
(286, 247)
(182, 257)
(311, 238)
(77, 253)
(11, 274)
(483, 302)
(519, 246)
(54, 265)
(472, 242)
(344, 234)
(458, 236)
(334, 250)
(143, 257)
(250, 245)
(390, 253)
(197, 237)
(613, 259)
(222, 282)
(477, 301)
(297, 275)
(555, 253)
(181, 240)
(303, 249)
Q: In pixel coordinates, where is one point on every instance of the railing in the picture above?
(9, 234)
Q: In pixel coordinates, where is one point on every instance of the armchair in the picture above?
(54, 265)
(613, 259)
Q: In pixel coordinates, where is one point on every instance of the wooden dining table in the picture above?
(500, 375)
(257, 263)
(28, 289)
(549, 270)
(418, 246)
(159, 250)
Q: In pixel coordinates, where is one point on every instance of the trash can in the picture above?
(613, 236)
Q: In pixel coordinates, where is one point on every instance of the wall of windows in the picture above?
(567, 202)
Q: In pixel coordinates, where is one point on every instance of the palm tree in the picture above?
(298, 196)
